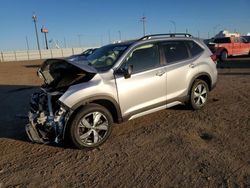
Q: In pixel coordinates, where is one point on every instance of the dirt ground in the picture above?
(176, 147)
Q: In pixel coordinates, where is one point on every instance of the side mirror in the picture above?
(128, 71)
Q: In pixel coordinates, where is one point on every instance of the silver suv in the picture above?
(81, 100)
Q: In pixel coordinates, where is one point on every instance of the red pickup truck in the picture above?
(229, 46)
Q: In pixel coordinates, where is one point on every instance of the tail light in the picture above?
(214, 58)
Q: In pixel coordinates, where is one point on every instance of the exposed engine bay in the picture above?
(47, 116)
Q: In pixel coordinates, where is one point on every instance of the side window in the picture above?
(243, 40)
(175, 51)
(143, 58)
(194, 48)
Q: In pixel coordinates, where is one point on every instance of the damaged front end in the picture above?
(48, 116)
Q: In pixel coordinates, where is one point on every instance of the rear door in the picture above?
(180, 67)
(146, 88)
(237, 49)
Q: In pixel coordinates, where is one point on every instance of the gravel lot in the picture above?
(176, 147)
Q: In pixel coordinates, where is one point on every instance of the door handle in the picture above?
(192, 65)
(160, 73)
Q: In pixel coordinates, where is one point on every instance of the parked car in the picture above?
(119, 82)
(229, 46)
(82, 56)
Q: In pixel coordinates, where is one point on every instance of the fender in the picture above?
(97, 99)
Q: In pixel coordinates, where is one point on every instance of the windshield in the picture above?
(105, 57)
(88, 52)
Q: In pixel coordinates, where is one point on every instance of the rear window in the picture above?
(175, 51)
(222, 40)
(247, 38)
(194, 48)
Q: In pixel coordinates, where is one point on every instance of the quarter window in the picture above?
(194, 48)
(175, 51)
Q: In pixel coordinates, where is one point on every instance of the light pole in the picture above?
(174, 24)
(45, 31)
(34, 18)
(143, 20)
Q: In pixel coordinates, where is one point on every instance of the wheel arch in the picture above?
(224, 49)
(202, 76)
(109, 103)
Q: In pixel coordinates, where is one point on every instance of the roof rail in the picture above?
(166, 34)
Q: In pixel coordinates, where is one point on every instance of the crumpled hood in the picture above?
(58, 73)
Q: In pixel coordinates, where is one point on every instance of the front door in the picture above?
(146, 88)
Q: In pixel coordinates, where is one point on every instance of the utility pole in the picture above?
(143, 20)
(34, 18)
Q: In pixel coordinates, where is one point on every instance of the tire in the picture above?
(223, 55)
(199, 94)
(90, 127)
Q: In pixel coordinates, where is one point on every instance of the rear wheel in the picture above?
(223, 55)
(90, 127)
(199, 94)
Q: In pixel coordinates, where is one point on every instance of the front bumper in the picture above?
(33, 134)
(32, 131)
(46, 118)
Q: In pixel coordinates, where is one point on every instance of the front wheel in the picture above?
(199, 94)
(90, 127)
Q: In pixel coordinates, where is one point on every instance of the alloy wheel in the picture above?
(200, 94)
(93, 128)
